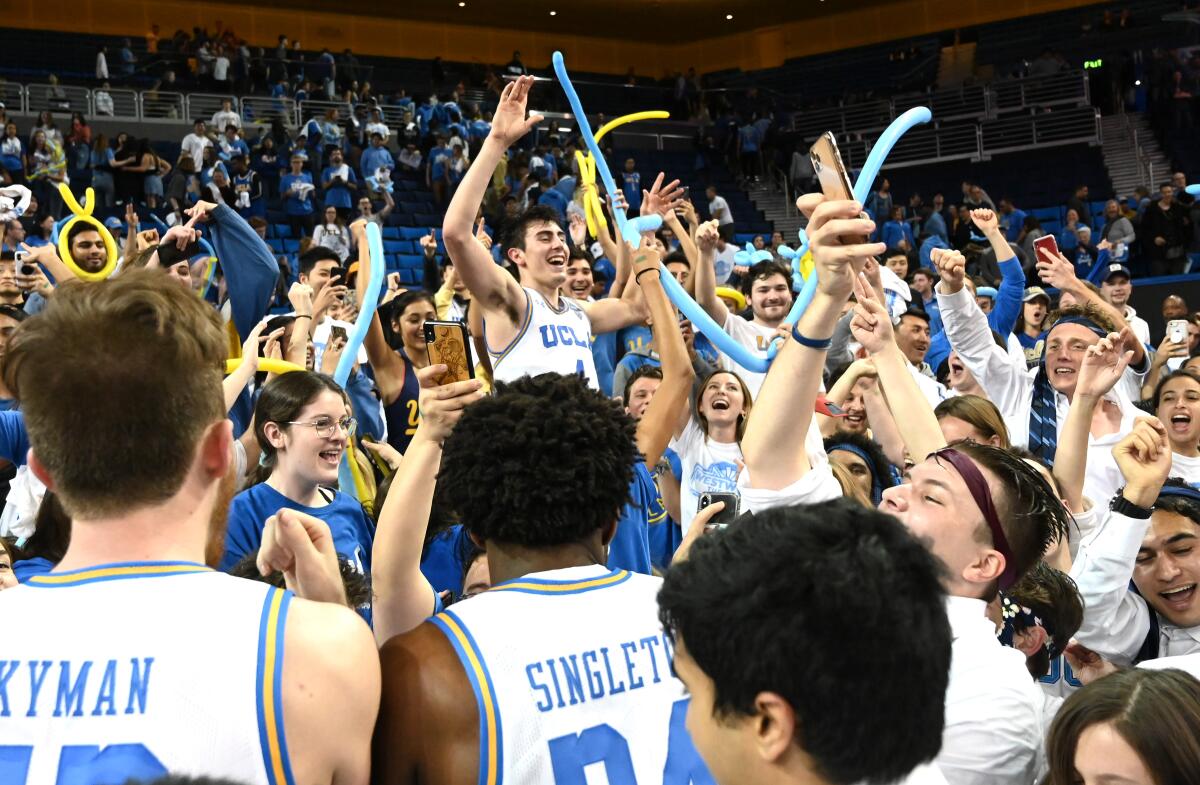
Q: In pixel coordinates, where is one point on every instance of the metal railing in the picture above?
(58, 98)
(1068, 88)
(980, 141)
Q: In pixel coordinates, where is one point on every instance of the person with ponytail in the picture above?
(302, 423)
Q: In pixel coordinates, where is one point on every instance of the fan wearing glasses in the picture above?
(303, 425)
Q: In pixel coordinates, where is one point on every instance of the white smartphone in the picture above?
(1177, 330)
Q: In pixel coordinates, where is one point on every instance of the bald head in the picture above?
(1174, 307)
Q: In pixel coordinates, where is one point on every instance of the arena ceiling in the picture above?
(668, 21)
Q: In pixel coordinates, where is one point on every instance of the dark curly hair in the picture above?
(545, 461)
(836, 608)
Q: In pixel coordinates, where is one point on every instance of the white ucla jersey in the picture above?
(130, 671)
(572, 677)
(549, 341)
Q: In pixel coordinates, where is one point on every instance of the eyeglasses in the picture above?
(324, 427)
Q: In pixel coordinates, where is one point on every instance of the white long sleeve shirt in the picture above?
(994, 711)
(1116, 620)
(1010, 386)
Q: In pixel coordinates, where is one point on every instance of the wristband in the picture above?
(1122, 506)
(811, 343)
(638, 275)
(302, 316)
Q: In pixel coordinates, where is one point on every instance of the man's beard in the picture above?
(214, 546)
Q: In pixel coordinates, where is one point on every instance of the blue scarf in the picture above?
(1043, 414)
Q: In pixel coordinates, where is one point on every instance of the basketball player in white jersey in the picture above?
(131, 658)
(529, 326)
(563, 665)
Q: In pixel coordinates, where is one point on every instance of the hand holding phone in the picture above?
(446, 344)
(725, 516)
(1046, 248)
(832, 175)
(1177, 331)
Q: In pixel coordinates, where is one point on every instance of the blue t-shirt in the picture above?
(1012, 224)
(631, 186)
(437, 162)
(373, 158)
(636, 337)
(748, 135)
(895, 231)
(294, 205)
(604, 354)
(630, 546)
(338, 195)
(14, 439)
(352, 533)
(444, 561)
(666, 535)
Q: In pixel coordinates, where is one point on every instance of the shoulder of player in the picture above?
(426, 699)
(333, 646)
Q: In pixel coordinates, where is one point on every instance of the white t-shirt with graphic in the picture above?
(707, 466)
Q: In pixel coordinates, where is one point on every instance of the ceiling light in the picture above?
(554, 13)
(728, 16)
(462, 5)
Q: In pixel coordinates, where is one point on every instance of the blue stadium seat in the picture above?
(392, 246)
(391, 233)
(291, 246)
(410, 233)
(408, 277)
(283, 230)
(411, 261)
(276, 244)
(427, 219)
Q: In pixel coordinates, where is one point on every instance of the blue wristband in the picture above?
(811, 343)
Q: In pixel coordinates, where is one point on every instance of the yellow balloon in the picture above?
(654, 114)
(268, 364)
(84, 215)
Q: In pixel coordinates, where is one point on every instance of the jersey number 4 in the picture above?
(85, 765)
(571, 754)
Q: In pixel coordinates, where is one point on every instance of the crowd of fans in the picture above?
(964, 493)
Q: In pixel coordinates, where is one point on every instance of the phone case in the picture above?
(832, 176)
(446, 343)
(1048, 244)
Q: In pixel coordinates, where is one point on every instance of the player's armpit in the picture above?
(428, 728)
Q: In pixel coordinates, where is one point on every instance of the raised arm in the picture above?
(704, 276)
(491, 286)
(403, 597)
(1010, 296)
(1102, 367)
(236, 382)
(387, 364)
(1060, 273)
(872, 327)
(783, 410)
(657, 425)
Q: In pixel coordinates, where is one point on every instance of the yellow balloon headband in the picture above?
(592, 208)
(265, 364)
(84, 215)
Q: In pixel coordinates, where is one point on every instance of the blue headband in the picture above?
(1083, 320)
(1189, 493)
(876, 486)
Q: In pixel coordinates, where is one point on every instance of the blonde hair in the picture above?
(850, 487)
(747, 403)
(980, 413)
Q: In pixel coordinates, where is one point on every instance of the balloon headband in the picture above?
(82, 214)
(978, 487)
(1017, 617)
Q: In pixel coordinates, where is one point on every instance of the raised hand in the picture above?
(1144, 458)
(1102, 366)
(662, 199)
(578, 226)
(300, 295)
(429, 243)
(986, 220)
(386, 453)
(689, 212)
(442, 406)
(1056, 271)
(481, 235)
(131, 220)
(707, 235)
(509, 122)
(871, 325)
(645, 259)
(1086, 664)
(951, 266)
(301, 547)
(835, 233)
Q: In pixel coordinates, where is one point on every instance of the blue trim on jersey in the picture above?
(491, 738)
(115, 572)
(268, 688)
(498, 356)
(560, 587)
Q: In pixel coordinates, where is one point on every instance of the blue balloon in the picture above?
(367, 307)
(1194, 190)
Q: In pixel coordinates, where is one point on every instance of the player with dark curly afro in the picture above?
(544, 462)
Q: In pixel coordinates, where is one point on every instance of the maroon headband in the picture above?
(978, 487)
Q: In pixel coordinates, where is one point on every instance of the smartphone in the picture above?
(832, 175)
(1177, 330)
(1046, 248)
(337, 332)
(725, 516)
(446, 343)
(20, 256)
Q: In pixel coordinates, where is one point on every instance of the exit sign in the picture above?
(1093, 63)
